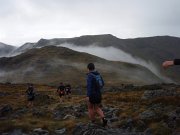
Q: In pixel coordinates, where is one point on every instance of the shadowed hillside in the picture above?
(54, 64)
(149, 49)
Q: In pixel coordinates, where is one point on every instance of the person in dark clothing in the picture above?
(94, 94)
(170, 63)
(61, 91)
(68, 90)
(30, 95)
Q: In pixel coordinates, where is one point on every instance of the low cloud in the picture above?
(115, 54)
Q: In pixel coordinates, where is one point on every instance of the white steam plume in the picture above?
(115, 54)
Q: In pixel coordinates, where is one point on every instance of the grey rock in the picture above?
(39, 131)
(74, 111)
(38, 112)
(69, 117)
(147, 115)
(60, 131)
(148, 131)
(16, 132)
(110, 114)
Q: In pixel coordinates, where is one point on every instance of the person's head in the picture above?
(91, 66)
(61, 83)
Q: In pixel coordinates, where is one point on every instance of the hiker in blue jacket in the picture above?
(94, 86)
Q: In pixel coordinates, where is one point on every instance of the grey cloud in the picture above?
(30, 20)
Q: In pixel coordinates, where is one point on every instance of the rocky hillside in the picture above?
(130, 110)
(5, 50)
(162, 48)
(51, 65)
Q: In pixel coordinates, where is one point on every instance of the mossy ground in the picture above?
(129, 103)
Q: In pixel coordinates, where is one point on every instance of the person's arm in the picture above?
(169, 63)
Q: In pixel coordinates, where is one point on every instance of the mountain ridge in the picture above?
(49, 64)
(162, 47)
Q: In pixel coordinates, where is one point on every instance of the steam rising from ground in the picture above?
(115, 54)
(109, 53)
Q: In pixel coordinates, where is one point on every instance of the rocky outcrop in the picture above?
(173, 119)
(111, 114)
(71, 112)
(40, 131)
(147, 115)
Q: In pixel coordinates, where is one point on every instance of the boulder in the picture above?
(39, 131)
(69, 117)
(110, 114)
(147, 115)
(60, 131)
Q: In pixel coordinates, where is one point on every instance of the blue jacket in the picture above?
(89, 82)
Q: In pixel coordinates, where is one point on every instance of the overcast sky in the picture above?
(29, 20)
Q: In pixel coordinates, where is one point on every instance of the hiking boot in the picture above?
(104, 122)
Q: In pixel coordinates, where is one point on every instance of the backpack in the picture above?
(97, 85)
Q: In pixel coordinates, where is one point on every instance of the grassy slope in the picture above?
(54, 64)
(125, 101)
